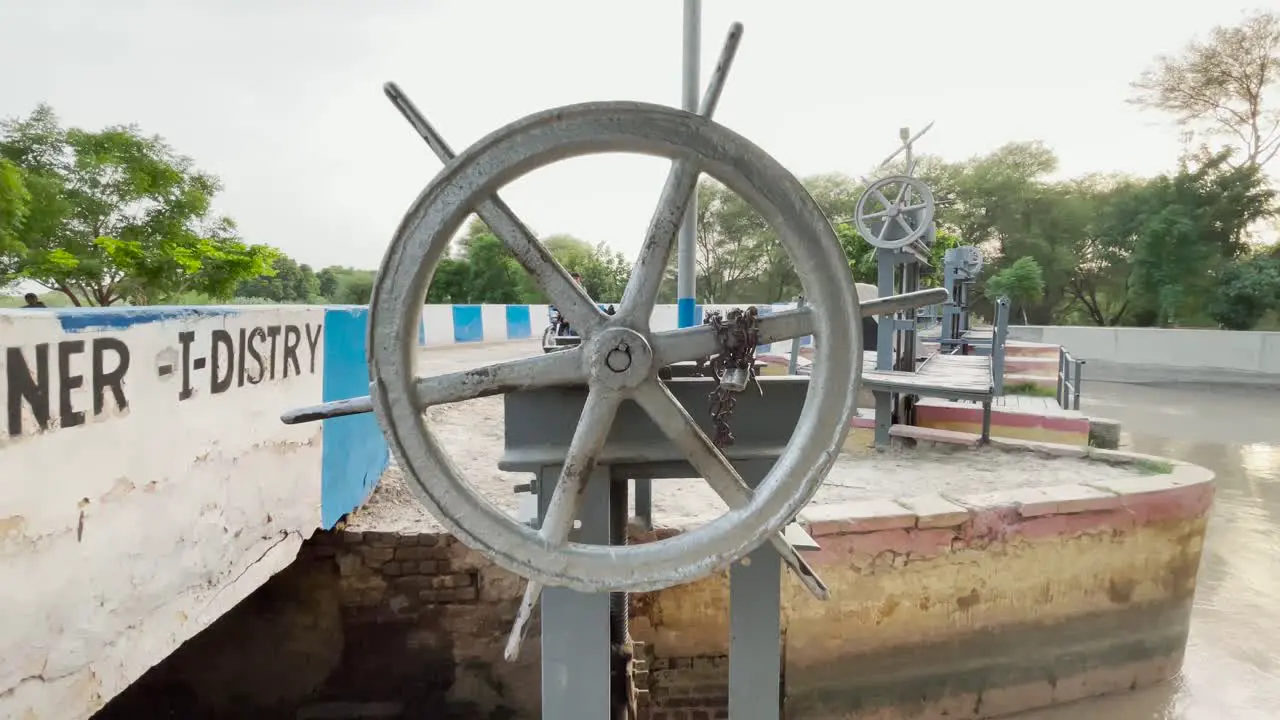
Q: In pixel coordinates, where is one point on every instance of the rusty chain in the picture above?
(739, 334)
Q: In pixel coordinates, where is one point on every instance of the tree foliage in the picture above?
(1226, 86)
(1021, 282)
(1249, 288)
(15, 203)
(115, 215)
(287, 282)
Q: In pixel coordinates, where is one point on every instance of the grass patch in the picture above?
(1027, 388)
(1152, 467)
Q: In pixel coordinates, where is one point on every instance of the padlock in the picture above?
(735, 379)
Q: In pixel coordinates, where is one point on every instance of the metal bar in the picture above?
(701, 341)
(998, 339)
(1062, 366)
(678, 192)
(686, 261)
(884, 417)
(644, 502)
(755, 632)
(575, 626)
(908, 142)
(986, 421)
(547, 272)
(794, 362)
(1076, 385)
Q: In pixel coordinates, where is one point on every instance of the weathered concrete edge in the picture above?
(1184, 492)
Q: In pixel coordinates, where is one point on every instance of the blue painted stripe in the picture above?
(353, 453)
(687, 314)
(121, 318)
(518, 324)
(422, 332)
(468, 324)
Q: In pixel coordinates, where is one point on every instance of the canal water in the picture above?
(1232, 668)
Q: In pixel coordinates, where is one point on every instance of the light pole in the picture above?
(686, 266)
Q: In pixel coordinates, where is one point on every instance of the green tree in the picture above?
(15, 203)
(345, 285)
(287, 282)
(1247, 290)
(1004, 203)
(118, 216)
(450, 283)
(1223, 86)
(604, 272)
(328, 282)
(1189, 224)
(1022, 282)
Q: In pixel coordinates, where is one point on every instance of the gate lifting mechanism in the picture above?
(568, 401)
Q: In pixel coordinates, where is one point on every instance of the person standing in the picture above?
(33, 301)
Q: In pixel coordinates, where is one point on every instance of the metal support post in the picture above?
(794, 362)
(576, 661)
(1075, 402)
(644, 503)
(885, 331)
(686, 262)
(755, 628)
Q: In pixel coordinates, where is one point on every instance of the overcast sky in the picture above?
(282, 98)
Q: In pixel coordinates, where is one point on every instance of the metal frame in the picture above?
(1070, 376)
(617, 371)
(580, 629)
(958, 281)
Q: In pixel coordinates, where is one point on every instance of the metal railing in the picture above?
(1069, 376)
(999, 338)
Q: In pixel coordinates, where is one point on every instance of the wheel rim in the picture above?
(542, 139)
(921, 217)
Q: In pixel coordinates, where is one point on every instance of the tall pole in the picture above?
(686, 266)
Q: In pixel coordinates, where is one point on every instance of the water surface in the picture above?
(1232, 668)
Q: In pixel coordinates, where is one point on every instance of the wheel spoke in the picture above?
(674, 421)
(550, 370)
(903, 222)
(651, 264)
(594, 424)
(701, 341)
(881, 197)
(568, 297)
(904, 194)
(884, 231)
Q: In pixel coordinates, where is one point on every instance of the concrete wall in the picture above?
(962, 607)
(149, 485)
(1159, 355)
(955, 607)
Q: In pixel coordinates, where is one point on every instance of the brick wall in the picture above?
(391, 625)
(425, 601)
(688, 688)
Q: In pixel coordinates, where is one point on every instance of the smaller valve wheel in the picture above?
(894, 212)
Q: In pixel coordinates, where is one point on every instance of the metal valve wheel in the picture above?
(619, 356)
(893, 225)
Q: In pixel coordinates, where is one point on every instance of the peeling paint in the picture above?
(148, 523)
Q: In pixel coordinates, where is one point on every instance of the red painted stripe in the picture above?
(954, 414)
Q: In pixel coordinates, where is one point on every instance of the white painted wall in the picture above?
(124, 536)
(1163, 355)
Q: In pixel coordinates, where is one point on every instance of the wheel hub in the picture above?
(618, 358)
